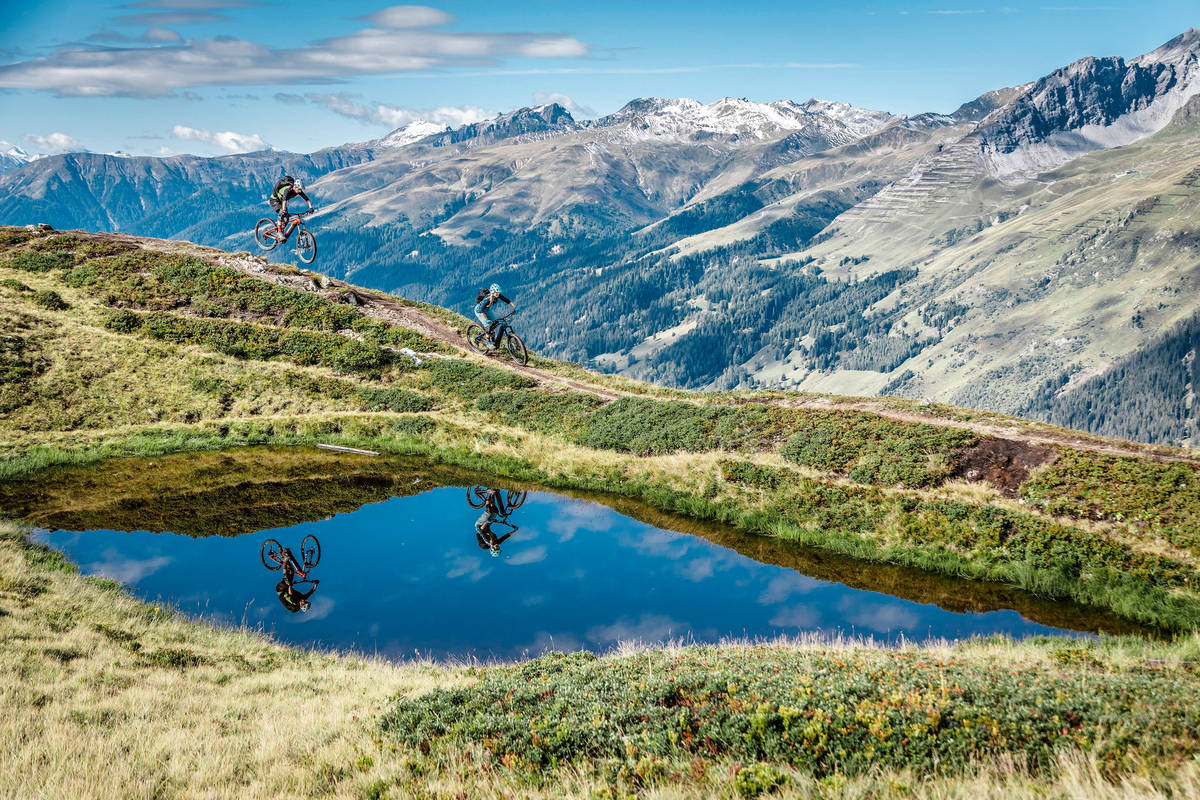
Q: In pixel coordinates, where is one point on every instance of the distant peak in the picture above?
(1184, 45)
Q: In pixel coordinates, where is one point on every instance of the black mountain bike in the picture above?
(503, 338)
(269, 235)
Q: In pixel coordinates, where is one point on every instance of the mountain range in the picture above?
(1036, 251)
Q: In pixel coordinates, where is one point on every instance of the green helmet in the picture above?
(494, 288)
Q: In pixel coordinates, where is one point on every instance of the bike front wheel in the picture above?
(473, 493)
(265, 234)
(476, 338)
(516, 499)
(271, 554)
(306, 247)
(516, 349)
(310, 551)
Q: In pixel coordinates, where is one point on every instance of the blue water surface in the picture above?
(408, 577)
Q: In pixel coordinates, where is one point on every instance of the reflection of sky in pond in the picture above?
(407, 576)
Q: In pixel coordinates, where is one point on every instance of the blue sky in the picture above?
(216, 76)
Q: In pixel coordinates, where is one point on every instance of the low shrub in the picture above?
(870, 449)
(15, 285)
(822, 712)
(50, 300)
(31, 261)
(651, 427)
(1159, 497)
(247, 341)
(469, 380)
(535, 409)
(161, 282)
(398, 400)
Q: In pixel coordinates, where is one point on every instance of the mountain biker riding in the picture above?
(286, 188)
(484, 309)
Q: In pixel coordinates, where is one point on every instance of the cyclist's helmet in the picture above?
(494, 551)
(305, 606)
(297, 185)
(494, 288)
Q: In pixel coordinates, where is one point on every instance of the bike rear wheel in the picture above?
(476, 338)
(271, 554)
(306, 247)
(515, 499)
(310, 551)
(265, 234)
(516, 349)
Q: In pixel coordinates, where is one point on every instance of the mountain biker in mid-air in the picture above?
(285, 189)
(485, 312)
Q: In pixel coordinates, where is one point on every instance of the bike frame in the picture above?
(286, 556)
(294, 221)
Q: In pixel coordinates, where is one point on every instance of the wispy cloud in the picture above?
(229, 61)
(952, 11)
(347, 105)
(229, 141)
(171, 18)
(150, 36)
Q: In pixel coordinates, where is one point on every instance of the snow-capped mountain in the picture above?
(1092, 104)
(684, 118)
(412, 132)
(13, 156)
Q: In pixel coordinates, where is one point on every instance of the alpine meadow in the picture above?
(599, 448)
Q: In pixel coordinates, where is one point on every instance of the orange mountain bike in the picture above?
(269, 235)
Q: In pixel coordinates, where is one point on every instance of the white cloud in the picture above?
(161, 35)
(126, 570)
(228, 141)
(408, 17)
(160, 70)
(54, 143)
(564, 100)
(346, 104)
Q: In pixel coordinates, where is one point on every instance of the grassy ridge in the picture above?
(207, 358)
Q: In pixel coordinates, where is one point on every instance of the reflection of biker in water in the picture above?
(493, 512)
(291, 598)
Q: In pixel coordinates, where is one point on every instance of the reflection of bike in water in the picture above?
(497, 505)
(275, 556)
(508, 500)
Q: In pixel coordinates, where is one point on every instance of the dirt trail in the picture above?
(387, 309)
